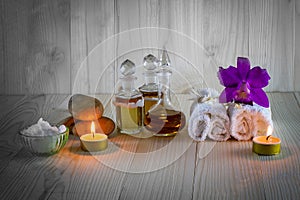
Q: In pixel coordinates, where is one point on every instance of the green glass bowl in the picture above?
(45, 145)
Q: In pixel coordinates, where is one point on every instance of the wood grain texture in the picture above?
(19, 112)
(241, 174)
(278, 182)
(62, 176)
(37, 47)
(172, 182)
(26, 110)
(51, 40)
(78, 44)
(297, 94)
(228, 170)
(92, 23)
(8, 103)
(297, 47)
(72, 172)
(2, 49)
(271, 41)
(151, 26)
(225, 27)
(82, 175)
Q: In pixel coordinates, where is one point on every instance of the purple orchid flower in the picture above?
(244, 85)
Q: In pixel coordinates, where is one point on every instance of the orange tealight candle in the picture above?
(93, 141)
(266, 145)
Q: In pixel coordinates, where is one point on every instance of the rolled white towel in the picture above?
(248, 121)
(208, 118)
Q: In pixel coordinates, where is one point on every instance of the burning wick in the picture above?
(93, 129)
(93, 141)
(269, 132)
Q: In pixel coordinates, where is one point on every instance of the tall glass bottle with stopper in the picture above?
(150, 88)
(129, 101)
(163, 119)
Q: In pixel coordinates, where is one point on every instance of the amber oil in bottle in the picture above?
(163, 119)
(150, 87)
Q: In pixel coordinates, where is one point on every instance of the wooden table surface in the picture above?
(149, 168)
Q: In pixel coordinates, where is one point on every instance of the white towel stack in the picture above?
(211, 119)
(248, 121)
(208, 118)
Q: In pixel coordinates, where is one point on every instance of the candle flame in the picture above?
(93, 129)
(269, 131)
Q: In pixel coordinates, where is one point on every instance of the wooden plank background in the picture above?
(297, 46)
(44, 43)
(36, 44)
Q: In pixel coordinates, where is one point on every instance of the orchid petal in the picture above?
(259, 97)
(229, 77)
(258, 77)
(242, 95)
(227, 95)
(222, 97)
(243, 66)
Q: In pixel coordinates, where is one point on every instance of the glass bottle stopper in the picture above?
(150, 62)
(127, 68)
(164, 59)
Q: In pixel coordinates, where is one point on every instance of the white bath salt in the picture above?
(62, 128)
(43, 128)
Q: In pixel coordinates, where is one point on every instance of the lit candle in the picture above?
(266, 145)
(93, 141)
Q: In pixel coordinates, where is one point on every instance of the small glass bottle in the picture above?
(163, 119)
(150, 88)
(129, 102)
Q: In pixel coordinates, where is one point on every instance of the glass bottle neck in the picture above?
(128, 89)
(150, 78)
(128, 83)
(164, 88)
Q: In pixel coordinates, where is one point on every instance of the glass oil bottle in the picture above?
(163, 119)
(129, 102)
(150, 88)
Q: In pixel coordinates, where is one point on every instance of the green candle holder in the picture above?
(266, 145)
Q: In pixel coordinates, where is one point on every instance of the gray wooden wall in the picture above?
(44, 43)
